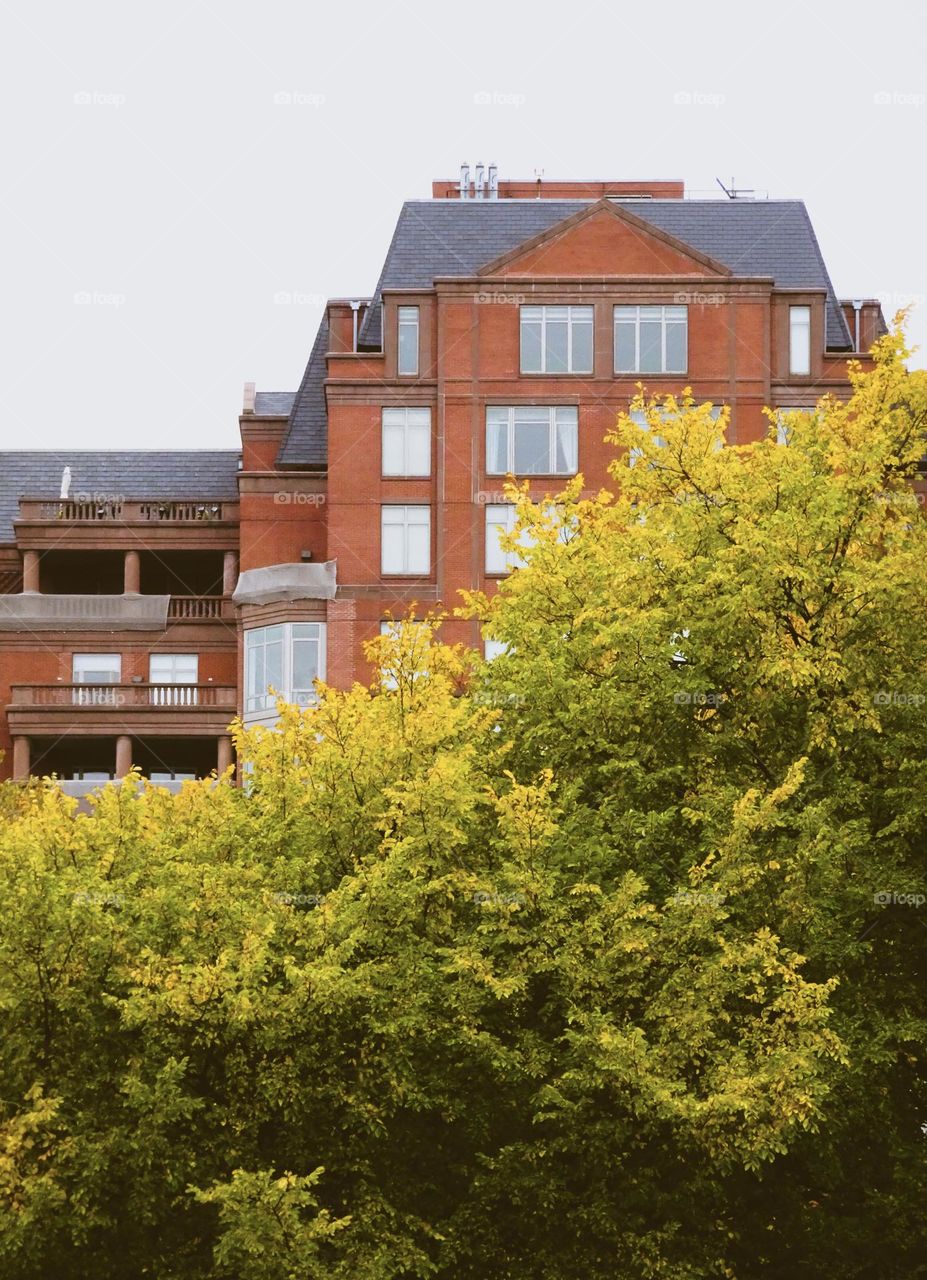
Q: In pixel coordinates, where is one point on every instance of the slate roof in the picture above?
(208, 474)
(436, 238)
(306, 442)
(274, 403)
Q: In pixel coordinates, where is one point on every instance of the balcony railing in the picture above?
(120, 696)
(196, 608)
(126, 511)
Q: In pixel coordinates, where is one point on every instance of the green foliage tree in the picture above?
(566, 965)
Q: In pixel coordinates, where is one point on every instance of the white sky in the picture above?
(156, 200)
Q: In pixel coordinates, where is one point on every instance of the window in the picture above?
(639, 418)
(556, 339)
(494, 649)
(406, 442)
(500, 518)
(290, 657)
(393, 627)
(651, 339)
(405, 539)
(783, 430)
(407, 359)
(95, 670)
(166, 670)
(531, 440)
(800, 340)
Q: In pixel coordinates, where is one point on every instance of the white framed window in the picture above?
(525, 440)
(173, 678)
(556, 339)
(95, 670)
(500, 518)
(392, 627)
(406, 442)
(289, 657)
(405, 539)
(407, 353)
(800, 340)
(783, 430)
(651, 339)
(639, 418)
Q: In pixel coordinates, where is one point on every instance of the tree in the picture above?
(568, 964)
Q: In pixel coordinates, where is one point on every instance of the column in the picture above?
(224, 754)
(20, 759)
(30, 571)
(123, 755)
(229, 572)
(132, 574)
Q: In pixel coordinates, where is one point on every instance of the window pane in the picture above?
(96, 668)
(651, 355)
(499, 518)
(392, 547)
(305, 668)
(800, 340)
(532, 447)
(497, 441)
(408, 340)
(530, 342)
(393, 463)
(566, 461)
(675, 345)
(582, 343)
(625, 357)
(419, 540)
(556, 345)
(418, 446)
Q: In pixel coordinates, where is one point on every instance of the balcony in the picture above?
(180, 710)
(45, 523)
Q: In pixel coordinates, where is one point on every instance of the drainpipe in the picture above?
(857, 307)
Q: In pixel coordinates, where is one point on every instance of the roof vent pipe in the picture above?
(478, 181)
(465, 182)
(857, 307)
(355, 306)
(493, 182)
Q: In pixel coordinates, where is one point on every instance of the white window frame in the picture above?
(89, 670)
(544, 317)
(405, 516)
(556, 415)
(622, 316)
(289, 633)
(639, 418)
(783, 434)
(500, 518)
(800, 341)
(399, 428)
(173, 689)
(408, 318)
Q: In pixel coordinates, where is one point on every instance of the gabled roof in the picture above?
(607, 209)
(208, 474)
(441, 238)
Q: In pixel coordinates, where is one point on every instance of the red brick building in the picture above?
(150, 596)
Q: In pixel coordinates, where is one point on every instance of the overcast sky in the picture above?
(183, 183)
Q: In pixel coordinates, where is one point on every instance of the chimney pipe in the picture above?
(478, 181)
(354, 307)
(493, 182)
(465, 182)
(857, 307)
